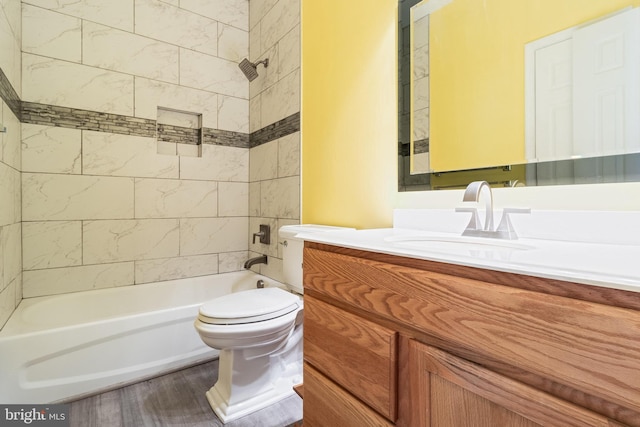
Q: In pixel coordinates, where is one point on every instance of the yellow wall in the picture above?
(477, 74)
(349, 109)
(349, 135)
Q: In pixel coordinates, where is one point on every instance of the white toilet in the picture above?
(259, 335)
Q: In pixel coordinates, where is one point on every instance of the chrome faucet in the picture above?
(253, 261)
(481, 190)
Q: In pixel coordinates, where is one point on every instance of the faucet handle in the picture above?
(474, 222)
(505, 229)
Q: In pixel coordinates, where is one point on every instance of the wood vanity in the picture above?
(396, 341)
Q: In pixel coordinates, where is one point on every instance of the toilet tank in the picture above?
(292, 250)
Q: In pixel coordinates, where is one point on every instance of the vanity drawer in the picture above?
(590, 347)
(327, 404)
(362, 357)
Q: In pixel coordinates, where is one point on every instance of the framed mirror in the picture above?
(515, 92)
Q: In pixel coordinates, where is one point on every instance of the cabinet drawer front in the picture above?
(361, 357)
(327, 404)
(588, 346)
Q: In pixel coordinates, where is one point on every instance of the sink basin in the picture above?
(458, 243)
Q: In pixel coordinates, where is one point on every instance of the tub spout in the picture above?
(253, 261)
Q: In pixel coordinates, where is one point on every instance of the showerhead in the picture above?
(250, 69)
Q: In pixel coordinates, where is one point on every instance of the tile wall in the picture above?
(107, 206)
(274, 172)
(10, 206)
(96, 200)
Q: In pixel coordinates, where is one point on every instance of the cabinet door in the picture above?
(446, 391)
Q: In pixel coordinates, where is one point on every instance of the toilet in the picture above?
(259, 335)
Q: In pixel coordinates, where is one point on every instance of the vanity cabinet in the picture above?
(391, 340)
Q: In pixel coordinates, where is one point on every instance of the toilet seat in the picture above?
(255, 305)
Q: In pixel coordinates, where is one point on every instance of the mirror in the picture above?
(484, 112)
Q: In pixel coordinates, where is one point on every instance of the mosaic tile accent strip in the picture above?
(9, 95)
(226, 138)
(74, 118)
(178, 134)
(419, 146)
(275, 130)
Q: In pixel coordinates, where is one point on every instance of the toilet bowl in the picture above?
(259, 335)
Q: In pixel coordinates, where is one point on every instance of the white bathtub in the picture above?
(61, 347)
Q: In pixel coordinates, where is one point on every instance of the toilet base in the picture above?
(254, 378)
(227, 412)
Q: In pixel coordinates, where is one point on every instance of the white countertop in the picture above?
(606, 259)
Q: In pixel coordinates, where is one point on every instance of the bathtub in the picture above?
(59, 348)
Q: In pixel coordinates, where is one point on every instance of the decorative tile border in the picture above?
(226, 138)
(9, 95)
(75, 118)
(275, 130)
(419, 146)
(178, 134)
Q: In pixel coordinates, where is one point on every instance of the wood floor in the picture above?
(176, 399)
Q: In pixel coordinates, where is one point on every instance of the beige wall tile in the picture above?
(254, 199)
(258, 10)
(48, 197)
(51, 149)
(263, 162)
(282, 99)
(213, 235)
(233, 199)
(189, 150)
(9, 195)
(11, 241)
(125, 155)
(51, 244)
(176, 268)
(117, 50)
(255, 108)
(232, 261)
(231, 12)
(233, 43)
(128, 240)
(51, 81)
(11, 43)
(151, 94)
(279, 20)
(233, 114)
(213, 74)
(280, 198)
(7, 303)
(289, 155)
(10, 145)
(168, 198)
(114, 13)
(162, 21)
(218, 163)
(51, 34)
(74, 279)
(289, 51)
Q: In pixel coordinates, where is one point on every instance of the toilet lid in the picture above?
(255, 305)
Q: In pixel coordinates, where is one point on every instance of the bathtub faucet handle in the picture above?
(264, 234)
